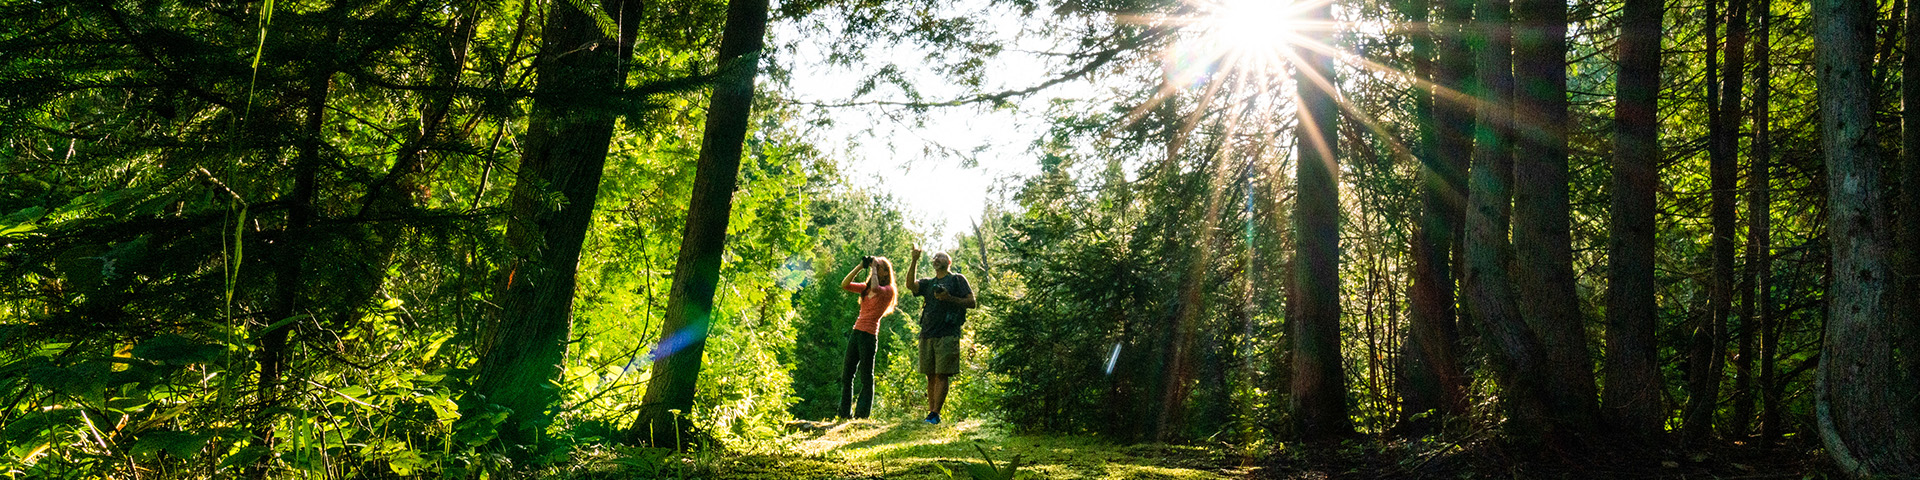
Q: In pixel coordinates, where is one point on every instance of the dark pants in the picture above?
(860, 347)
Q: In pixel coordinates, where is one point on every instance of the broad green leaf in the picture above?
(21, 221)
(245, 456)
(406, 461)
(37, 424)
(179, 444)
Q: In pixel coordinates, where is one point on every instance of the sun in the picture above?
(1258, 26)
(1236, 36)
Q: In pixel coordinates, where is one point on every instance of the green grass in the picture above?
(915, 450)
(910, 449)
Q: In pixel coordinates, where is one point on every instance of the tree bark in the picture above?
(289, 259)
(1739, 425)
(568, 136)
(1517, 355)
(1632, 402)
(1862, 421)
(683, 335)
(1909, 201)
(1709, 348)
(1759, 242)
(1430, 381)
(1543, 231)
(1760, 221)
(1319, 400)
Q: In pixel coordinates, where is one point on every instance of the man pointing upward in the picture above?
(947, 297)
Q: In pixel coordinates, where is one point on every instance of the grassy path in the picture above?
(915, 450)
(912, 450)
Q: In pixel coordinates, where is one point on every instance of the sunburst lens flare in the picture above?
(1253, 25)
(1246, 36)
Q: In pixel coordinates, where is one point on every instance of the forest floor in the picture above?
(868, 449)
(916, 450)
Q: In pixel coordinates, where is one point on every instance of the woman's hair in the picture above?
(882, 276)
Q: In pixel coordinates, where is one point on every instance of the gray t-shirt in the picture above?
(938, 318)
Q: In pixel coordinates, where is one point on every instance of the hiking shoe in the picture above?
(933, 419)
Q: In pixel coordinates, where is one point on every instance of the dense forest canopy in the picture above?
(470, 239)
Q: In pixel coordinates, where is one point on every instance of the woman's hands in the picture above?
(846, 282)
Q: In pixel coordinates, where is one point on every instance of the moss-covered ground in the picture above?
(918, 450)
(908, 450)
(903, 449)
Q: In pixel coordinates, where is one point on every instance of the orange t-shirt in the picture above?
(872, 306)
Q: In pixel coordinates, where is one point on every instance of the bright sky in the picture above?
(923, 166)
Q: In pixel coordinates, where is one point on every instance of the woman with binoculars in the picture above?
(876, 300)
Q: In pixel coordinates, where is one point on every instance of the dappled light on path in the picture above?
(915, 450)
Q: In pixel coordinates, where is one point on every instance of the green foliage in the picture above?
(147, 246)
(1092, 276)
(155, 154)
(988, 471)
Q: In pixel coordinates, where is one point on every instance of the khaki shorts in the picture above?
(940, 355)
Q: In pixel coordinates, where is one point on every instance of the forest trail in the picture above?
(915, 450)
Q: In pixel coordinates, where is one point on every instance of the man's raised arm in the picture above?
(913, 270)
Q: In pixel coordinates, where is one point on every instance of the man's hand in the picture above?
(943, 296)
(913, 272)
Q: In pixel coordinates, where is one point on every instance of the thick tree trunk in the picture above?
(1632, 403)
(567, 140)
(1430, 381)
(1543, 231)
(683, 336)
(1760, 222)
(1517, 355)
(1319, 400)
(1863, 421)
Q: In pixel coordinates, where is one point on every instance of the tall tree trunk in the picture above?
(1760, 221)
(290, 265)
(1517, 355)
(1319, 400)
(1632, 402)
(1864, 423)
(1543, 226)
(1454, 135)
(1756, 314)
(1723, 171)
(1708, 350)
(568, 135)
(683, 336)
(1909, 201)
(1429, 379)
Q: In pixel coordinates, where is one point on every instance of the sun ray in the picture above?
(1256, 48)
